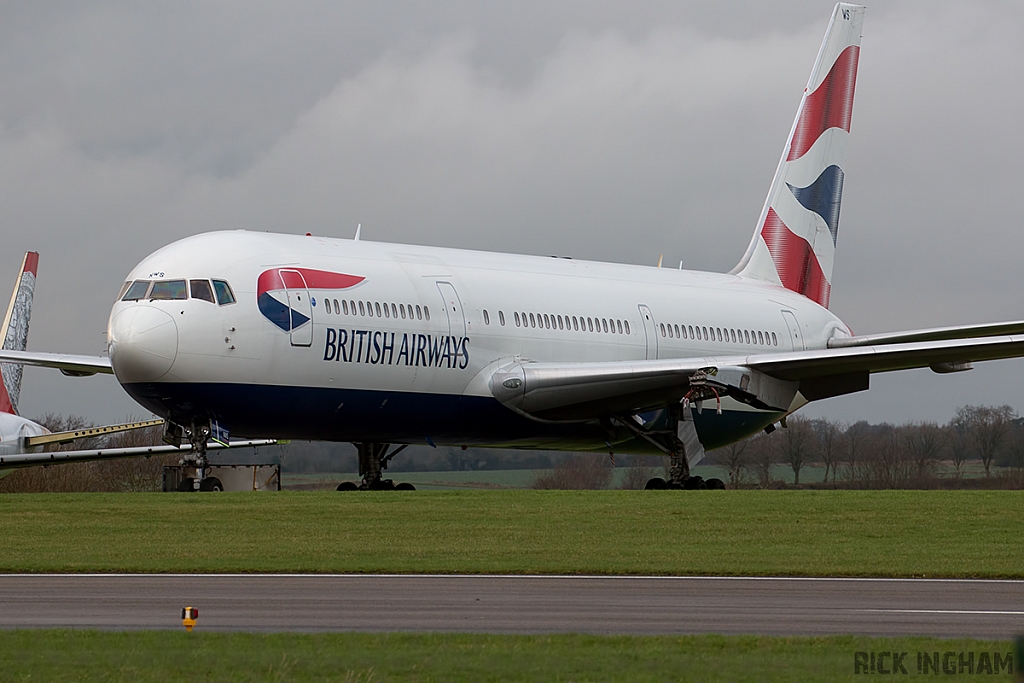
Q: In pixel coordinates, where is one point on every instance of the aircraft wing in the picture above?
(69, 364)
(57, 457)
(581, 391)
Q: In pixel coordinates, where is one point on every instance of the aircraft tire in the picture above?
(347, 486)
(694, 483)
(405, 486)
(656, 484)
(715, 484)
(211, 484)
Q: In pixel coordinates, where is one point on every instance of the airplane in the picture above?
(21, 438)
(386, 345)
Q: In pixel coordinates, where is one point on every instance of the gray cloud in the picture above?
(569, 128)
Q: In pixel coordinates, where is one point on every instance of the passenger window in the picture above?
(164, 290)
(419, 313)
(376, 307)
(575, 324)
(327, 305)
(760, 338)
(387, 311)
(394, 311)
(487, 318)
(560, 322)
(590, 324)
(352, 306)
(775, 340)
(501, 318)
(223, 291)
(604, 324)
(426, 312)
(401, 309)
(626, 325)
(684, 331)
(618, 324)
(515, 315)
(533, 322)
(137, 291)
(362, 310)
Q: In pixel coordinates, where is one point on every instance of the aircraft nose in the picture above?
(143, 343)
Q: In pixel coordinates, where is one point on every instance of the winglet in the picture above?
(15, 331)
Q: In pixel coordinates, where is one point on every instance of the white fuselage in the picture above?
(368, 365)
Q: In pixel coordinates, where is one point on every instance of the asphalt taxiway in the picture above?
(517, 604)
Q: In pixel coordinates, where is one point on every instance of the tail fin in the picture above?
(795, 242)
(15, 331)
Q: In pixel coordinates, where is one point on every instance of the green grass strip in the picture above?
(140, 656)
(798, 533)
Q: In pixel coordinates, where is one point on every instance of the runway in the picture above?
(517, 604)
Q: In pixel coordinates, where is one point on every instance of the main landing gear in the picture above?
(673, 433)
(373, 460)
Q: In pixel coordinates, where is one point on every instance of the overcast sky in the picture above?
(596, 129)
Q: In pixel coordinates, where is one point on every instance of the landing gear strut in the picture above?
(373, 460)
(197, 435)
(674, 434)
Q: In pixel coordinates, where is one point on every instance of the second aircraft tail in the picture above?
(15, 331)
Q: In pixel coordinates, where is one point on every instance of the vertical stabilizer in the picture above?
(795, 241)
(15, 331)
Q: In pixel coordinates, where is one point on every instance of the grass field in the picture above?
(59, 655)
(795, 533)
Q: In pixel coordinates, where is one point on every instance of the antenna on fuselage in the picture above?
(359, 228)
(660, 257)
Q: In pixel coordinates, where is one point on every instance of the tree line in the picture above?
(861, 455)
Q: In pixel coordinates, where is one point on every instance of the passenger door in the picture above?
(794, 330)
(650, 330)
(453, 308)
(300, 308)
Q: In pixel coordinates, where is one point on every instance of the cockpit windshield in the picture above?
(168, 289)
(218, 291)
(137, 290)
(224, 293)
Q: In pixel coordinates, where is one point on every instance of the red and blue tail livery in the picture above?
(795, 243)
(283, 297)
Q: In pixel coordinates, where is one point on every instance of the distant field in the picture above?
(55, 655)
(786, 533)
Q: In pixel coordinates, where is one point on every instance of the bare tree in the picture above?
(853, 442)
(795, 444)
(986, 428)
(924, 443)
(959, 448)
(761, 454)
(828, 438)
(734, 457)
